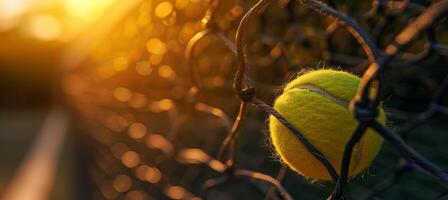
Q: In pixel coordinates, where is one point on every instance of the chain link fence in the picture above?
(173, 101)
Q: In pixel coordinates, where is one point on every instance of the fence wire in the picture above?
(156, 99)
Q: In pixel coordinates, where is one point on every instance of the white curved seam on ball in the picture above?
(341, 102)
(324, 93)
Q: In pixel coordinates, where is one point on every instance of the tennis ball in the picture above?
(316, 104)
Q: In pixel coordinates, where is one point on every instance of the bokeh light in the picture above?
(122, 94)
(164, 9)
(130, 159)
(175, 192)
(143, 68)
(166, 71)
(121, 63)
(156, 46)
(137, 130)
(122, 183)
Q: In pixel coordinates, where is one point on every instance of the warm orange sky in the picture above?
(50, 19)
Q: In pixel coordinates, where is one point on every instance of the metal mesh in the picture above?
(170, 109)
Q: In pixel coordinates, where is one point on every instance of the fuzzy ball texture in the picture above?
(316, 104)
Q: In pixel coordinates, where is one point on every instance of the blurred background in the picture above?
(139, 128)
(33, 37)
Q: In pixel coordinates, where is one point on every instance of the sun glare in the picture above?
(87, 10)
(51, 19)
(10, 10)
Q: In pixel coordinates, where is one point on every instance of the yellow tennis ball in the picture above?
(316, 104)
